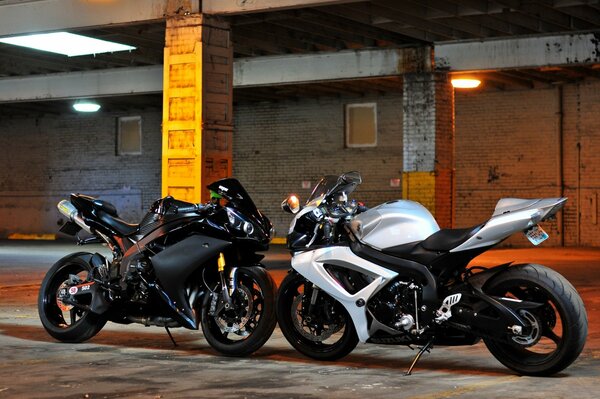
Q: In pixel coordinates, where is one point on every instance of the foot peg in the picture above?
(444, 313)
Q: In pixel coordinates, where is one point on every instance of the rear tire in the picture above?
(318, 335)
(560, 325)
(65, 322)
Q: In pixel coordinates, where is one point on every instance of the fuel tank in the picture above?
(394, 223)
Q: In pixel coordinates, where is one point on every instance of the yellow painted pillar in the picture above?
(197, 106)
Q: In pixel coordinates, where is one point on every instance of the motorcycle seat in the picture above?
(95, 203)
(106, 206)
(106, 212)
(447, 239)
(118, 225)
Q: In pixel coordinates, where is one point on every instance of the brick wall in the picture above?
(507, 145)
(45, 159)
(582, 163)
(278, 145)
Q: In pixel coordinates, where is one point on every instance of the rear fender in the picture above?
(479, 280)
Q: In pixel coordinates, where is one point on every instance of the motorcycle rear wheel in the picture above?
(558, 328)
(244, 328)
(64, 322)
(318, 335)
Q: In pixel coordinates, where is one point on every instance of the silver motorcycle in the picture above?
(389, 275)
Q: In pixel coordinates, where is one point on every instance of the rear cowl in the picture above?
(394, 223)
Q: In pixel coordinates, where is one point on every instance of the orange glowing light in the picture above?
(465, 83)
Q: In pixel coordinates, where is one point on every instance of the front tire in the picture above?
(324, 330)
(244, 328)
(64, 322)
(558, 328)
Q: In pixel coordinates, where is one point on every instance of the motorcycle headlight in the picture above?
(239, 223)
(234, 220)
(248, 228)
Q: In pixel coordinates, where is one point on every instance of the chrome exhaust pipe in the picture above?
(66, 208)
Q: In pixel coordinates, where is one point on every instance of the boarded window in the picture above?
(361, 125)
(129, 140)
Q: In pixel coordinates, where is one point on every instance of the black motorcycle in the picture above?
(184, 265)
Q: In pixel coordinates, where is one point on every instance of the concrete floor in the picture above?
(134, 361)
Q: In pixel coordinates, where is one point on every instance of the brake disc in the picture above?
(301, 323)
(234, 320)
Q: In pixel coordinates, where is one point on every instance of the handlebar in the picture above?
(344, 211)
(198, 208)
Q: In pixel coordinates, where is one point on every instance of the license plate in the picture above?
(536, 235)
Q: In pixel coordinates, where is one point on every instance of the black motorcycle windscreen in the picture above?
(233, 191)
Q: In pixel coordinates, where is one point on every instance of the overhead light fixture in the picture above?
(86, 106)
(465, 83)
(66, 43)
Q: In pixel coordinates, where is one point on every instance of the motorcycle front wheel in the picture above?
(67, 322)
(242, 327)
(557, 330)
(312, 321)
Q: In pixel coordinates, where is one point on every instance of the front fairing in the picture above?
(230, 221)
(238, 210)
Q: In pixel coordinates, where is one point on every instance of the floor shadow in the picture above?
(427, 362)
(158, 340)
(196, 345)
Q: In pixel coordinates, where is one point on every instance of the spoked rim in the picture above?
(544, 337)
(240, 321)
(60, 314)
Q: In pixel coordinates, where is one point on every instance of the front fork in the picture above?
(229, 283)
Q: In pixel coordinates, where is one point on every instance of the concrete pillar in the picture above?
(428, 131)
(197, 105)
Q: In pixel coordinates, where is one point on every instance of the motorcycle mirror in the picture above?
(291, 204)
(351, 178)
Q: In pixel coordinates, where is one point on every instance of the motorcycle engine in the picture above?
(394, 305)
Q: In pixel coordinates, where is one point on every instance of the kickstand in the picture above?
(171, 336)
(423, 349)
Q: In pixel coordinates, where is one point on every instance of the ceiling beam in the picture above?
(100, 83)
(54, 15)
(502, 54)
(342, 65)
(230, 7)
(248, 72)
(528, 52)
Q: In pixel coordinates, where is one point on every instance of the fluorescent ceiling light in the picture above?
(464, 83)
(66, 43)
(86, 106)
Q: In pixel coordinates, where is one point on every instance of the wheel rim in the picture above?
(241, 320)
(62, 315)
(324, 326)
(544, 337)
